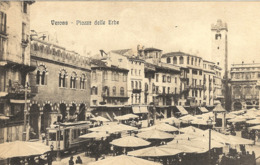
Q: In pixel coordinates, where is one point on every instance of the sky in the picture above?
(169, 26)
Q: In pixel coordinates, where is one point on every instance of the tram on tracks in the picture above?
(65, 136)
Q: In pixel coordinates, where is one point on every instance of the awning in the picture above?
(18, 101)
(2, 94)
(182, 110)
(136, 109)
(141, 109)
(203, 109)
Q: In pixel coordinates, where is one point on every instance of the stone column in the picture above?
(39, 125)
(223, 121)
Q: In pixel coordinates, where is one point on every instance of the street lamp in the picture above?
(209, 122)
(58, 152)
(51, 146)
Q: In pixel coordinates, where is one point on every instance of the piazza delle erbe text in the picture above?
(114, 83)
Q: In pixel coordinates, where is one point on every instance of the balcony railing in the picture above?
(205, 97)
(248, 96)
(197, 86)
(137, 90)
(18, 89)
(115, 95)
(237, 97)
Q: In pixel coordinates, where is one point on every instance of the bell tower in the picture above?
(219, 48)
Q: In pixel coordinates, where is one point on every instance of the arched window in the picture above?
(191, 60)
(181, 60)
(132, 84)
(188, 60)
(105, 75)
(106, 91)
(136, 85)
(140, 85)
(114, 91)
(41, 77)
(146, 87)
(168, 60)
(38, 77)
(73, 80)
(195, 61)
(82, 81)
(122, 91)
(62, 78)
(218, 36)
(94, 90)
(174, 60)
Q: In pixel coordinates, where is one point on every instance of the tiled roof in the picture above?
(152, 49)
(121, 51)
(177, 54)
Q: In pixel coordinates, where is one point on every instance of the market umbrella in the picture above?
(185, 148)
(238, 112)
(192, 130)
(161, 127)
(185, 137)
(200, 142)
(237, 120)
(94, 135)
(187, 118)
(99, 118)
(22, 149)
(130, 141)
(131, 116)
(257, 127)
(199, 122)
(238, 140)
(112, 128)
(170, 120)
(123, 160)
(155, 152)
(255, 121)
(121, 118)
(155, 134)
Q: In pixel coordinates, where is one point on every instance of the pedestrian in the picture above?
(71, 162)
(78, 161)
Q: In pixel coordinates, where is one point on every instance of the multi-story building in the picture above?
(192, 86)
(244, 90)
(128, 59)
(208, 81)
(14, 68)
(62, 80)
(109, 95)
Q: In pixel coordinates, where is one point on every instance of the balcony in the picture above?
(237, 97)
(25, 40)
(248, 97)
(197, 86)
(16, 90)
(210, 88)
(184, 78)
(205, 97)
(115, 95)
(137, 90)
(168, 94)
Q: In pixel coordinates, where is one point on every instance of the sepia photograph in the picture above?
(129, 82)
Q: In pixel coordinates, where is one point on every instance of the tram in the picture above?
(65, 136)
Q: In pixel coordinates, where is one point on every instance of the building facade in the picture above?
(192, 91)
(62, 79)
(14, 68)
(244, 90)
(109, 94)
